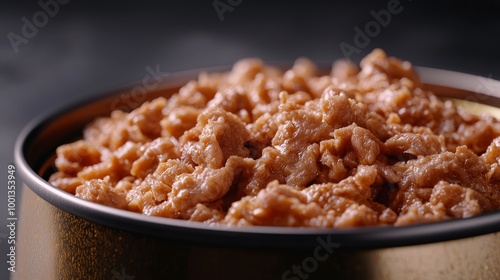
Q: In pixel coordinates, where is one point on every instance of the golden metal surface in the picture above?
(56, 245)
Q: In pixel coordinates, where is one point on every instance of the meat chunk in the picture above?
(101, 192)
(217, 136)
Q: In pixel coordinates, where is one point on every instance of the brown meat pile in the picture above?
(258, 146)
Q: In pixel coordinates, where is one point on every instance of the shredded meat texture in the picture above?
(358, 146)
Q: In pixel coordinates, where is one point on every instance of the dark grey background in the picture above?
(89, 46)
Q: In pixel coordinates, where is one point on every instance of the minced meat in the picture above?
(259, 146)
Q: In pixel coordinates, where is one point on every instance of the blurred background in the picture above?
(53, 53)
